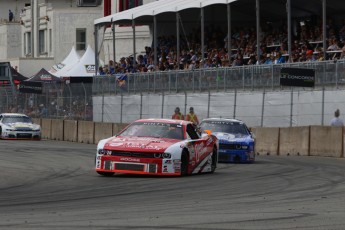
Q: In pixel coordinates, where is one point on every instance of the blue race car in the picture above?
(236, 142)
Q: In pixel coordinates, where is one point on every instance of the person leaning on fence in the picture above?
(177, 115)
(336, 121)
(191, 116)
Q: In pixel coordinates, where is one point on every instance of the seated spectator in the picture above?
(310, 56)
(279, 59)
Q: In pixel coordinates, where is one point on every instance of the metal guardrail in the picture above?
(328, 73)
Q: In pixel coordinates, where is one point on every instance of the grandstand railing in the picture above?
(327, 73)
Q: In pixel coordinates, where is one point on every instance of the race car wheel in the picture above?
(184, 163)
(214, 160)
(108, 174)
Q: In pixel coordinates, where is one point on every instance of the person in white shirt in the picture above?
(336, 121)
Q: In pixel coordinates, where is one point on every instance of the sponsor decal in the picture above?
(167, 161)
(165, 169)
(116, 144)
(209, 141)
(129, 159)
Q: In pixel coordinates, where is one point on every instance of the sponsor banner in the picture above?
(90, 68)
(31, 87)
(297, 77)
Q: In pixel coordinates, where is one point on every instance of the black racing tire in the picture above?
(184, 163)
(214, 160)
(107, 174)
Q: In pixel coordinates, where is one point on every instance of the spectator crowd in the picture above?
(307, 46)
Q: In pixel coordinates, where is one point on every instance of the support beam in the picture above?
(134, 48)
(258, 30)
(288, 11)
(96, 49)
(324, 29)
(155, 41)
(202, 37)
(178, 39)
(229, 32)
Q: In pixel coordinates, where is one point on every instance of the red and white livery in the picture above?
(158, 147)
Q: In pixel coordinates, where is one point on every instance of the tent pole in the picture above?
(258, 31)
(178, 40)
(96, 49)
(229, 32)
(134, 38)
(155, 41)
(288, 6)
(202, 38)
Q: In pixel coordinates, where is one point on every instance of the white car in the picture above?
(18, 126)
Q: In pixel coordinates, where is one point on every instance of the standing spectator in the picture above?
(177, 115)
(336, 121)
(191, 116)
(10, 15)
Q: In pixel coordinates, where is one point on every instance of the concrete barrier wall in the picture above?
(294, 141)
(102, 131)
(326, 141)
(70, 131)
(266, 140)
(37, 121)
(46, 127)
(86, 132)
(304, 141)
(57, 130)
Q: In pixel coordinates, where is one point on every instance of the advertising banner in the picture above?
(297, 77)
(31, 87)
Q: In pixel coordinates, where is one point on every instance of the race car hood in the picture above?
(142, 144)
(22, 125)
(229, 137)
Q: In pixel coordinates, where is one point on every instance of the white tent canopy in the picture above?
(61, 68)
(85, 66)
(158, 7)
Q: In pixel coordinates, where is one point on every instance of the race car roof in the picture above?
(223, 119)
(161, 120)
(13, 114)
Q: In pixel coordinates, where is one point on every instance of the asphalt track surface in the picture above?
(52, 185)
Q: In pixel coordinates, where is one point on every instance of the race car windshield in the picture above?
(15, 119)
(154, 129)
(225, 127)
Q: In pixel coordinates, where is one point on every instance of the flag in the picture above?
(122, 80)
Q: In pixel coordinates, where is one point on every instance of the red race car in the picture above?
(158, 147)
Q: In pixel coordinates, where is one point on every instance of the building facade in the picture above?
(42, 32)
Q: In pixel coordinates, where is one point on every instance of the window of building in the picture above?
(41, 42)
(88, 2)
(107, 7)
(129, 4)
(28, 43)
(81, 39)
(50, 40)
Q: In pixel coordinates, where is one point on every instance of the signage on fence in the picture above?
(31, 87)
(297, 77)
